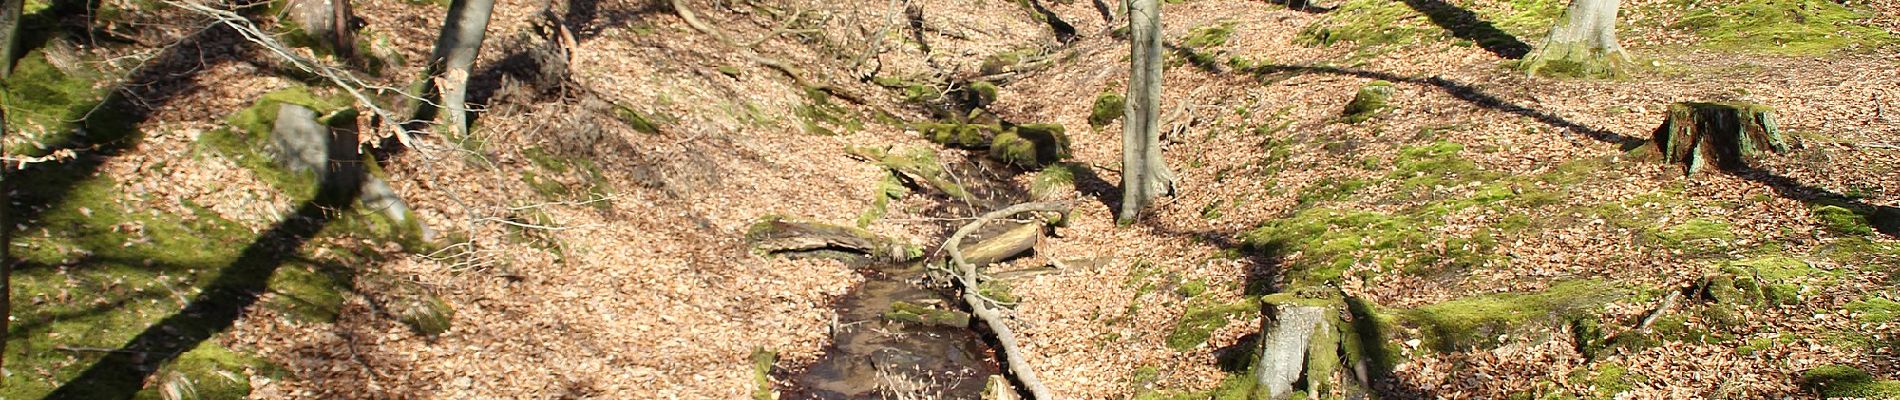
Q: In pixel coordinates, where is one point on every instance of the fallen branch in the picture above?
(967, 276)
(1663, 308)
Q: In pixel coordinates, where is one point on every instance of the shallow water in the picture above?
(871, 357)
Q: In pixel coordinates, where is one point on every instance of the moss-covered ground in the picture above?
(96, 270)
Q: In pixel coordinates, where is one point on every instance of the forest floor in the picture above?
(590, 237)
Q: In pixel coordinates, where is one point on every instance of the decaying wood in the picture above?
(968, 278)
(1289, 332)
(1663, 308)
(774, 236)
(1725, 134)
(1017, 239)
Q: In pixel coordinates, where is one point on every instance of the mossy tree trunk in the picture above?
(1726, 134)
(1582, 43)
(10, 11)
(1144, 174)
(453, 60)
(9, 34)
(327, 22)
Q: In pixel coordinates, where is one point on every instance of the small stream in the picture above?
(872, 357)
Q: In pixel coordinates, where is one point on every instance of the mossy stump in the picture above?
(1314, 342)
(1369, 102)
(1725, 134)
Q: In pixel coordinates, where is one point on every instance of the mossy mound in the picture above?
(1842, 381)
(1368, 102)
(1202, 318)
(1108, 108)
(1031, 146)
(1485, 321)
(1788, 27)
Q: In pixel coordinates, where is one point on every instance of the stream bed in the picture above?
(871, 356)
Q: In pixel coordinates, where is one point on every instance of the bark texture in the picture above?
(1144, 174)
(327, 22)
(1725, 134)
(10, 11)
(9, 34)
(454, 59)
(1284, 342)
(1582, 43)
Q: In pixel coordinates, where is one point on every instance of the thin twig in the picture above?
(1667, 303)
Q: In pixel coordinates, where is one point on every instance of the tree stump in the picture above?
(1725, 134)
(1370, 100)
(325, 25)
(1304, 342)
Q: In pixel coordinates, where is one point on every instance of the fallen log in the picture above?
(775, 235)
(1015, 240)
(968, 278)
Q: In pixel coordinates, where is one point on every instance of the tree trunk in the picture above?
(1582, 43)
(9, 34)
(1144, 175)
(454, 59)
(327, 22)
(10, 11)
(1284, 341)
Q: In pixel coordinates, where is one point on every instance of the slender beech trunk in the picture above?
(454, 59)
(1144, 174)
(10, 11)
(1582, 42)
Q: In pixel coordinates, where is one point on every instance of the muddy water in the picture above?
(871, 357)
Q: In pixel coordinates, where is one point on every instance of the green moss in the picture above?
(1480, 321)
(888, 188)
(426, 313)
(1056, 178)
(916, 162)
(918, 314)
(309, 292)
(1875, 310)
(1368, 102)
(820, 116)
(996, 290)
(1193, 288)
(1209, 36)
(1842, 381)
(1202, 318)
(1789, 27)
(1696, 234)
(1758, 345)
(1843, 221)
(1607, 380)
(1370, 24)
(1108, 108)
(209, 371)
(634, 119)
(1031, 145)
(762, 361)
(985, 93)
(1331, 189)
(1329, 241)
(1419, 169)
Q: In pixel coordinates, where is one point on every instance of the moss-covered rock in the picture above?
(1368, 102)
(424, 312)
(920, 314)
(762, 361)
(1031, 146)
(1108, 108)
(1844, 221)
(1790, 27)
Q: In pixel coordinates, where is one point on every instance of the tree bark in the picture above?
(454, 59)
(1284, 342)
(1144, 174)
(1582, 42)
(10, 11)
(327, 22)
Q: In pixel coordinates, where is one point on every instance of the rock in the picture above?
(303, 144)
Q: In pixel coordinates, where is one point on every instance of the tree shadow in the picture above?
(122, 373)
(1304, 6)
(1465, 24)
